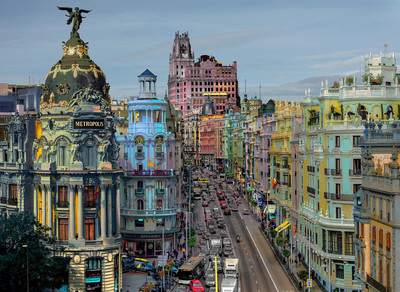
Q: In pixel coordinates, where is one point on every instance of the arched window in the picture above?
(89, 154)
(140, 204)
(62, 153)
(159, 204)
(140, 184)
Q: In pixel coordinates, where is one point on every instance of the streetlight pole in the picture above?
(309, 256)
(163, 284)
(27, 267)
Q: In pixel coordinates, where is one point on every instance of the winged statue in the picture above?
(75, 17)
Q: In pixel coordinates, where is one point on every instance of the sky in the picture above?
(285, 46)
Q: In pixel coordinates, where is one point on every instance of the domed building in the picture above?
(76, 170)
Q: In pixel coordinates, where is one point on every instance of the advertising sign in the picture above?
(88, 124)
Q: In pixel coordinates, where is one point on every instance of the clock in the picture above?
(183, 48)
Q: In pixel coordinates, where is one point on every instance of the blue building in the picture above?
(149, 187)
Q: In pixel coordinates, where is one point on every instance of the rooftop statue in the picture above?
(76, 16)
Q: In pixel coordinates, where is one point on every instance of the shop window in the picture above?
(93, 274)
(139, 222)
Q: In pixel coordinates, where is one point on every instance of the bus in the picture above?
(192, 269)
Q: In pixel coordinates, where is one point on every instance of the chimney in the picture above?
(20, 106)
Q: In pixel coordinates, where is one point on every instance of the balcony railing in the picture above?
(160, 191)
(338, 197)
(62, 204)
(12, 201)
(310, 168)
(139, 191)
(139, 155)
(3, 200)
(90, 204)
(277, 164)
(160, 155)
(336, 172)
(355, 172)
(378, 286)
(287, 166)
(311, 190)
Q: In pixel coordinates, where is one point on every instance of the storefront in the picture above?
(148, 245)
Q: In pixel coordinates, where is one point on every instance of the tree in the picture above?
(281, 241)
(303, 275)
(286, 253)
(23, 239)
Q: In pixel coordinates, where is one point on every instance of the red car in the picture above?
(205, 204)
(195, 285)
(222, 204)
(208, 218)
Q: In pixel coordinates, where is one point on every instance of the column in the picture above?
(44, 199)
(103, 212)
(71, 222)
(81, 215)
(117, 208)
(109, 210)
(49, 209)
(130, 197)
(35, 201)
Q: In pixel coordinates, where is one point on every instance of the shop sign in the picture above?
(147, 236)
(93, 280)
(152, 172)
(88, 124)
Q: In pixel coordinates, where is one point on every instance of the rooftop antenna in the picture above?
(385, 50)
(245, 86)
(260, 92)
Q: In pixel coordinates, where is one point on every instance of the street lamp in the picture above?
(330, 280)
(27, 267)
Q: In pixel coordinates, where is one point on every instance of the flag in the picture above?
(275, 182)
(96, 193)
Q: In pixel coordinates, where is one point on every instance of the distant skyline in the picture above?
(284, 46)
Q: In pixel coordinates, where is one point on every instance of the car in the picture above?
(208, 218)
(226, 242)
(221, 224)
(196, 286)
(222, 204)
(215, 209)
(210, 280)
(246, 212)
(227, 251)
(143, 265)
(212, 199)
(227, 211)
(209, 271)
(204, 204)
(206, 235)
(224, 233)
(212, 229)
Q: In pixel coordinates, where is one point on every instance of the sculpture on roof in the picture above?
(75, 16)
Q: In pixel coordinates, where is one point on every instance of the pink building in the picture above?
(190, 82)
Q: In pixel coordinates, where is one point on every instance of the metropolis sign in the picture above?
(88, 124)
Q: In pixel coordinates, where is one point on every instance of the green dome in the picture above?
(74, 72)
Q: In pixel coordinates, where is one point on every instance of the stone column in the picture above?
(109, 210)
(81, 217)
(44, 222)
(35, 201)
(130, 198)
(49, 209)
(118, 210)
(103, 201)
(71, 222)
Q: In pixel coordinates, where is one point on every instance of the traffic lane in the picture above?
(275, 268)
(253, 275)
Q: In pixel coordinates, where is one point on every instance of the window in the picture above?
(90, 197)
(338, 212)
(14, 191)
(139, 223)
(337, 163)
(356, 141)
(140, 184)
(340, 271)
(388, 241)
(62, 229)
(157, 116)
(374, 234)
(380, 237)
(356, 187)
(63, 196)
(337, 141)
(349, 247)
(338, 189)
(159, 204)
(158, 148)
(357, 165)
(362, 230)
(139, 116)
(140, 204)
(380, 271)
(139, 149)
(89, 229)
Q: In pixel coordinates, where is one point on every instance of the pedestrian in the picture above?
(154, 263)
(176, 254)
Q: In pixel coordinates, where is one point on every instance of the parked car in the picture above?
(246, 212)
(196, 286)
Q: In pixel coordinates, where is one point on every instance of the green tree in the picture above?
(286, 253)
(192, 231)
(23, 240)
(303, 275)
(281, 241)
(192, 241)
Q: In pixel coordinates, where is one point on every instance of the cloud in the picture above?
(331, 55)
(333, 64)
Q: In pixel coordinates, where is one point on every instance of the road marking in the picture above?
(259, 253)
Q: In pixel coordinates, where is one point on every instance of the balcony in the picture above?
(378, 286)
(355, 172)
(159, 155)
(90, 204)
(139, 191)
(12, 201)
(287, 166)
(139, 155)
(327, 171)
(62, 204)
(311, 190)
(3, 200)
(338, 197)
(310, 168)
(160, 191)
(277, 164)
(336, 172)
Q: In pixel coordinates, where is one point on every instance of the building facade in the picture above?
(190, 82)
(149, 186)
(191, 137)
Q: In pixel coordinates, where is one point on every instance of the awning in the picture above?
(283, 226)
(271, 209)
